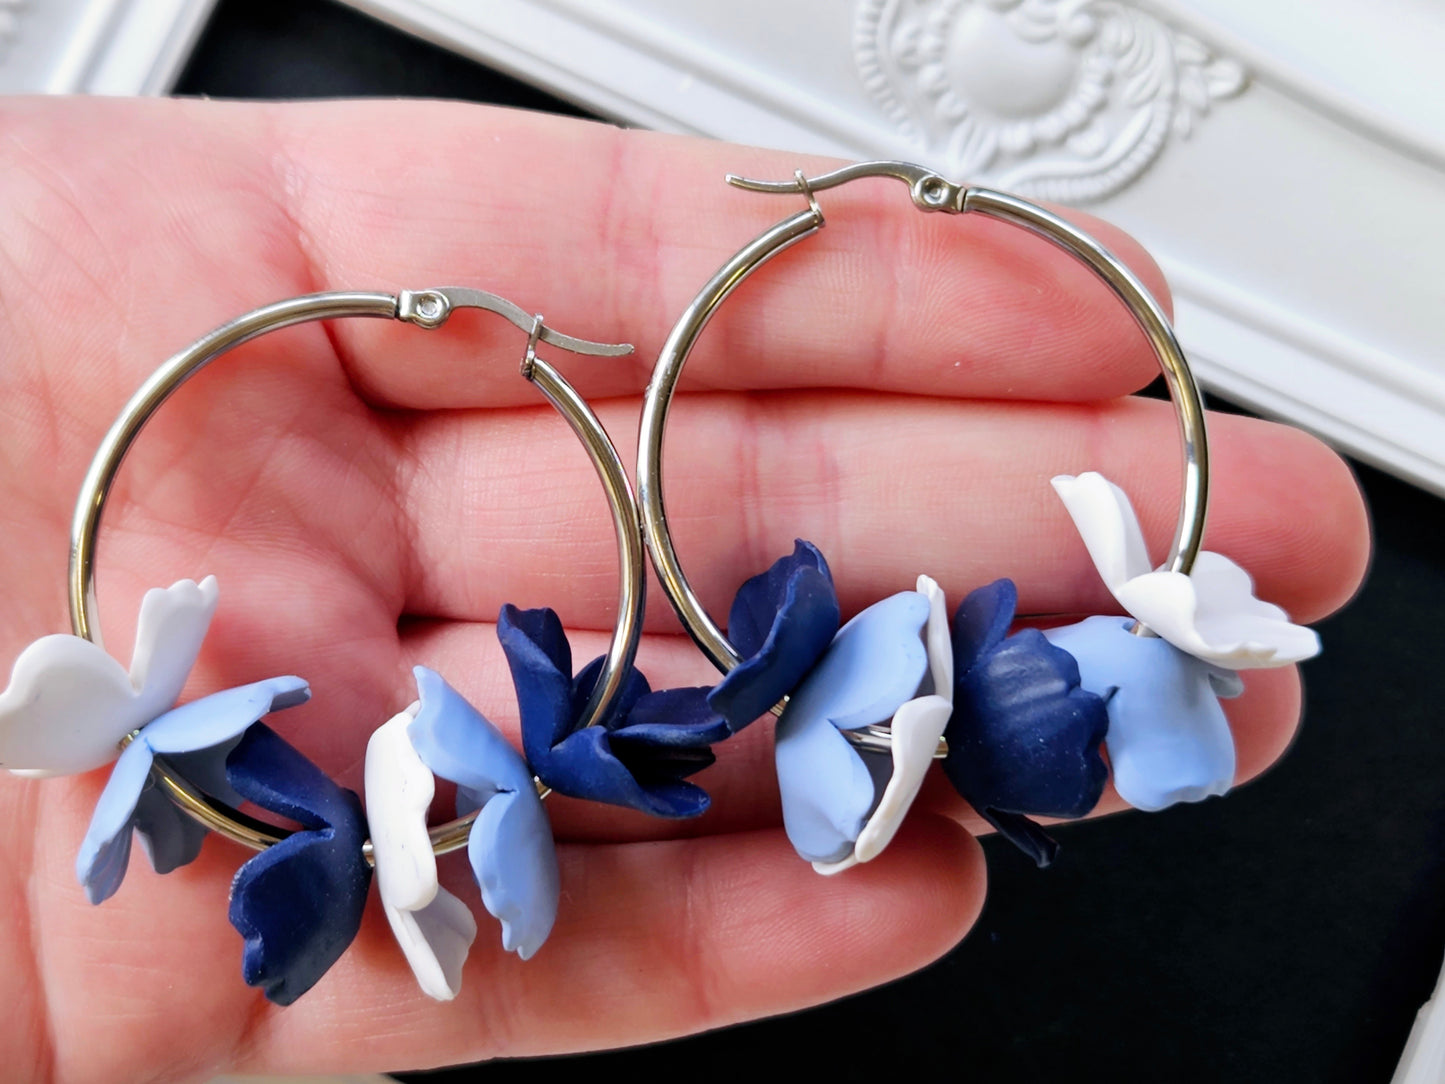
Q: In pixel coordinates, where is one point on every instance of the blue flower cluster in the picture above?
(298, 904)
(1031, 710)
(1027, 714)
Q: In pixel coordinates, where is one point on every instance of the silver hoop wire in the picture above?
(426, 309)
(930, 192)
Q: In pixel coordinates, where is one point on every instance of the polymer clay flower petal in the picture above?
(540, 659)
(168, 836)
(434, 929)
(827, 788)
(1169, 740)
(679, 720)
(399, 792)
(223, 716)
(172, 625)
(660, 738)
(1024, 834)
(1025, 734)
(69, 704)
(515, 863)
(298, 904)
(589, 764)
(1212, 613)
(105, 852)
(510, 846)
(781, 623)
(915, 729)
(876, 662)
(610, 762)
(937, 640)
(436, 940)
(129, 803)
(66, 709)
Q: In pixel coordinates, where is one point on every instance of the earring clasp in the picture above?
(430, 309)
(930, 190)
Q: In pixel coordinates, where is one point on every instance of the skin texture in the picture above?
(898, 390)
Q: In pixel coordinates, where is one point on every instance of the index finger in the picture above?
(608, 233)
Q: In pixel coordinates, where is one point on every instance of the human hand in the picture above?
(369, 495)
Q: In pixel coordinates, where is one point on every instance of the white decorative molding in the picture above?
(11, 12)
(1295, 221)
(1062, 101)
(96, 46)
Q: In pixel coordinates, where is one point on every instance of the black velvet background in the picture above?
(1286, 934)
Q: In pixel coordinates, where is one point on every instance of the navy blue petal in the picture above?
(1024, 737)
(298, 904)
(541, 663)
(781, 623)
(674, 718)
(758, 602)
(586, 765)
(1023, 834)
(638, 767)
(634, 687)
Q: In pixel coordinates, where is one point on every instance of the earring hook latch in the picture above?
(930, 190)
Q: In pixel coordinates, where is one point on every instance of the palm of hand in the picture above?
(370, 494)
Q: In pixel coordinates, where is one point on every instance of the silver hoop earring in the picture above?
(1018, 720)
(183, 771)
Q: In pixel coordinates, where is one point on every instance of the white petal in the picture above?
(1211, 614)
(1216, 617)
(433, 927)
(399, 790)
(828, 869)
(435, 940)
(937, 639)
(1107, 524)
(916, 728)
(172, 624)
(66, 709)
(69, 703)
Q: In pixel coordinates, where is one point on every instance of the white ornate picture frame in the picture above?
(96, 46)
(1284, 161)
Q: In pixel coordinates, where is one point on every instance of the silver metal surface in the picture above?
(932, 193)
(426, 309)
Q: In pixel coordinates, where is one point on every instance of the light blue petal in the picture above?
(457, 742)
(224, 716)
(515, 863)
(874, 664)
(510, 847)
(168, 836)
(1168, 737)
(105, 852)
(826, 787)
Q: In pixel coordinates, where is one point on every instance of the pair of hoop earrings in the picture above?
(1019, 720)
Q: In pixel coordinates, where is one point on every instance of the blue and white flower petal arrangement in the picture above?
(1027, 717)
